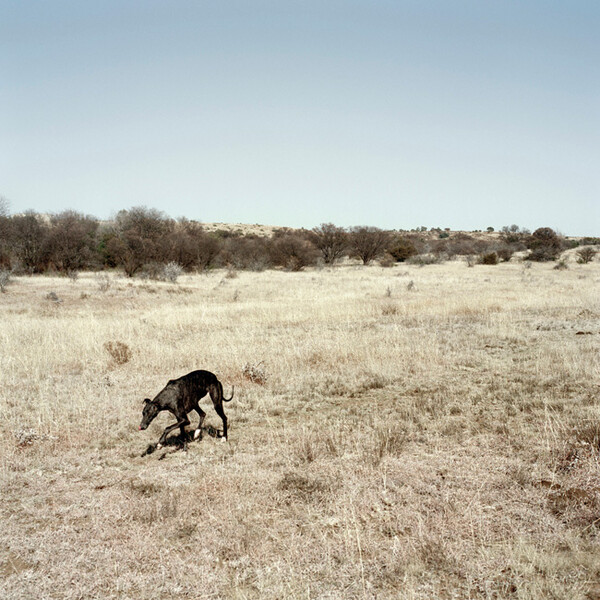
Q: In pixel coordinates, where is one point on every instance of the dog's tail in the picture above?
(230, 397)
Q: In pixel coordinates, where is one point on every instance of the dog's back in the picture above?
(198, 379)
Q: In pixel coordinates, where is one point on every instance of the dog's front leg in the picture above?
(181, 422)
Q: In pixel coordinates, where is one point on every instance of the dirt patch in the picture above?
(13, 564)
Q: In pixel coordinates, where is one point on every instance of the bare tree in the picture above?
(190, 246)
(146, 223)
(331, 241)
(367, 243)
(141, 236)
(71, 241)
(30, 233)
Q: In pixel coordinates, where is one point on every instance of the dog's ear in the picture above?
(146, 400)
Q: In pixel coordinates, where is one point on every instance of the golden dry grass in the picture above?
(439, 440)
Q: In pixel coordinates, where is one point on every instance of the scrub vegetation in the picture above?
(147, 243)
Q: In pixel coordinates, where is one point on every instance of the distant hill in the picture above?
(242, 228)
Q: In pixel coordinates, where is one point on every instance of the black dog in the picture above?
(180, 396)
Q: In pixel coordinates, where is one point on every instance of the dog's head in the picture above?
(151, 409)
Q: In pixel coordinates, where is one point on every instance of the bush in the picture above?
(53, 297)
(191, 247)
(570, 244)
(119, 352)
(249, 252)
(545, 245)
(387, 261)
(586, 255)
(505, 254)
(152, 270)
(424, 259)
(292, 251)
(402, 249)
(461, 244)
(491, 258)
(103, 281)
(515, 236)
(590, 241)
(561, 265)
(542, 254)
(171, 272)
(255, 373)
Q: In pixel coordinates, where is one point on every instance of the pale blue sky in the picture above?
(460, 114)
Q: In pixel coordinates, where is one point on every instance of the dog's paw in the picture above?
(197, 433)
(158, 446)
(223, 439)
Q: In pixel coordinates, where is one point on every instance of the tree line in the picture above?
(143, 240)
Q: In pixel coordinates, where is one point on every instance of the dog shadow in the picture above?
(176, 442)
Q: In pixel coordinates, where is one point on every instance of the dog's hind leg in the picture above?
(221, 413)
(202, 414)
(216, 395)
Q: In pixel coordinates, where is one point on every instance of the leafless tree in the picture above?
(330, 240)
(30, 233)
(71, 241)
(141, 235)
(367, 243)
(192, 247)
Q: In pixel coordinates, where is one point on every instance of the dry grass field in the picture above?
(399, 433)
